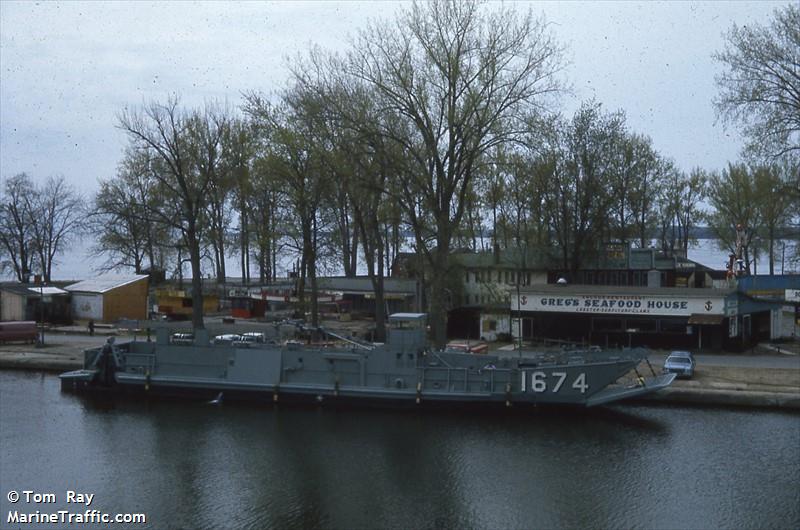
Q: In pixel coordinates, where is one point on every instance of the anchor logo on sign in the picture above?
(708, 305)
(523, 300)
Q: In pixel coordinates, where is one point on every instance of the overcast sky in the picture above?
(69, 67)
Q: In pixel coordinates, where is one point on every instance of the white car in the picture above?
(184, 339)
(228, 338)
(253, 337)
(681, 363)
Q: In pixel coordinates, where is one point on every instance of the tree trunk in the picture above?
(312, 274)
(197, 279)
(771, 251)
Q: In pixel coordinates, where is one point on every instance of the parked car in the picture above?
(252, 337)
(681, 363)
(466, 347)
(228, 338)
(185, 339)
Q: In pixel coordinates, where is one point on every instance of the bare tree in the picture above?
(16, 226)
(293, 157)
(208, 131)
(58, 216)
(175, 139)
(264, 212)
(582, 157)
(127, 234)
(631, 188)
(459, 80)
(240, 155)
(760, 88)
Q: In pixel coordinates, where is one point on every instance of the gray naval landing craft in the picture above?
(402, 372)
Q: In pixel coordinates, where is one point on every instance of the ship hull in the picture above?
(346, 378)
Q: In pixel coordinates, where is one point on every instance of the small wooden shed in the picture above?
(109, 298)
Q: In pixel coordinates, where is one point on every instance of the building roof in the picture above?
(509, 258)
(362, 284)
(32, 290)
(105, 283)
(624, 290)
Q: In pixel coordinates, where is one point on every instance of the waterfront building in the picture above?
(484, 283)
(732, 318)
(337, 295)
(666, 300)
(110, 297)
(31, 302)
(176, 302)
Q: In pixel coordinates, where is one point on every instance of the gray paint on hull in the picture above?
(382, 374)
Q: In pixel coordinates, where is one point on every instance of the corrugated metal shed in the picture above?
(105, 283)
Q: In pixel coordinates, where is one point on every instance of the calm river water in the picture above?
(193, 465)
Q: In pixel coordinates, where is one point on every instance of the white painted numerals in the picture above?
(561, 376)
(580, 383)
(538, 382)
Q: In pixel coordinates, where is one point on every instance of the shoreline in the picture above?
(771, 388)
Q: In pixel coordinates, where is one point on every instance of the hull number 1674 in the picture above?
(539, 382)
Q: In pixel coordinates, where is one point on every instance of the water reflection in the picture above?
(191, 465)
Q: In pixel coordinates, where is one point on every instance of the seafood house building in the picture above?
(729, 318)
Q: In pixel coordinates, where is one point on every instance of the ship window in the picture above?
(411, 356)
(399, 356)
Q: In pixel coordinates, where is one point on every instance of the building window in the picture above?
(467, 279)
(607, 324)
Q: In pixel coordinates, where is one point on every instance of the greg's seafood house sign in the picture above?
(619, 304)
